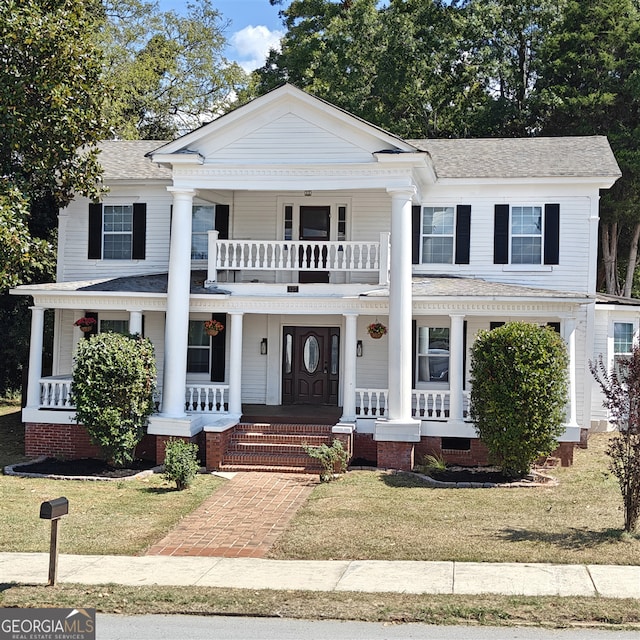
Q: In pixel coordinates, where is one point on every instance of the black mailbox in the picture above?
(54, 509)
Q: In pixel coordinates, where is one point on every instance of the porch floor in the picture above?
(243, 519)
(291, 414)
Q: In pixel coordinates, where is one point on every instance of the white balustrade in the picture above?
(207, 398)
(55, 393)
(257, 255)
(427, 404)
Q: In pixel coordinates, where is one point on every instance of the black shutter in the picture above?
(95, 231)
(501, 234)
(138, 249)
(464, 355)
(222, 221)
(416, 222)
(94, 329)
(551, 233)
(414, 346)
(463, 233)
(218, 344)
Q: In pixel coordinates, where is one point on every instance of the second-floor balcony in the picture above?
(347, 257)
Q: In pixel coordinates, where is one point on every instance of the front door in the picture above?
(310, 365)
(314, 227)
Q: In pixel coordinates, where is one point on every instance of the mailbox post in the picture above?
(53, 510)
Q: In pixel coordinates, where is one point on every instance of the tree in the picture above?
(519, 393)
(112, 389)
(166, 71)
(621, 389)
(590, 85)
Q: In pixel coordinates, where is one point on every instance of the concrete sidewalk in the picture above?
(372, 576)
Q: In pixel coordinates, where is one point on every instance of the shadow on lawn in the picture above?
(571, 539)
(402, 479)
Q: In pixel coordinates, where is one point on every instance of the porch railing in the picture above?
(427, 404)
(298, 255)
(55, 393)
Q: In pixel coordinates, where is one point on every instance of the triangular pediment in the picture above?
(285, 126)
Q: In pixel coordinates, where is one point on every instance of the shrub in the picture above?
(112, 388)
(333, 459)
(519, 393)
(181, 462)
(621, 390)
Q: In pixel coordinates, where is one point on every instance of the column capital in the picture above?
(181, 191)
(407, 192)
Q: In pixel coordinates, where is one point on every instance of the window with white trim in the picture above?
(198, 349)
(433, 354)
(526, 235)
(114, 326)
(202, 221)
(117, 232)
(623, 334)
(438, 232)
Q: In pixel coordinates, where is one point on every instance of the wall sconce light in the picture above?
(359, 349)
(263, 347)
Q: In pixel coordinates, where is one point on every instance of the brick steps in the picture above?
(274, 447)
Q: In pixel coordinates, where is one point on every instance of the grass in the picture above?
(380, 607)
(579, 521)
(11, 433)
(118, 517)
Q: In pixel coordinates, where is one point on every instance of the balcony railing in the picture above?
(426, 404)
(298, 255)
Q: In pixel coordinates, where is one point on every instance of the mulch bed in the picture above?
(471, 474)
(88, 467)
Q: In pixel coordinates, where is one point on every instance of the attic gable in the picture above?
(284, 126)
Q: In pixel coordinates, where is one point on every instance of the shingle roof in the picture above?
(579, 156)
(442, 286)
(125, 160)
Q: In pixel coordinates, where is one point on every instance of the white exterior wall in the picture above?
(577, 260)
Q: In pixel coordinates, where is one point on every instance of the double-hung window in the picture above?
(198, 349)
(203, 221)
(433, 354)
(437, 235)
(117, 237)
(623, 333)
(526, 235)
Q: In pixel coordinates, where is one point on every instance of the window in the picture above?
(114, 326)
(117, 231)
(203, 221)
(526, 234)
(437, 235)
(117, 234)
(622, 341)
(198, 351)
(433, 354)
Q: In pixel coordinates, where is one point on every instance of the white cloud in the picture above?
(252, 45)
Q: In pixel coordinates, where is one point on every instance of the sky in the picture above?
(255, 28)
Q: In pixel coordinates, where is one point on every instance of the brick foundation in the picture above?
(396, 455)
(216, 444)
(365, 447)
(477, 455)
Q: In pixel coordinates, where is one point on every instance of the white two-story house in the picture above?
(297, 225)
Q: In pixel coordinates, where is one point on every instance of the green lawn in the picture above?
(367, 515)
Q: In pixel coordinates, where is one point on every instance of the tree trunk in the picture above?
(633, 261)
(609, 242)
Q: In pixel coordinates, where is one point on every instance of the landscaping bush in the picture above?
(519, 393)
(181, 462)
(333, 459)
(621, 390)
(112, 389)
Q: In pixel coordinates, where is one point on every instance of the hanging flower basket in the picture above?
(376, 330)
(86, 324)
(213, 327)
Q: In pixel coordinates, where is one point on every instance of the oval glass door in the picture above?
(311, 354)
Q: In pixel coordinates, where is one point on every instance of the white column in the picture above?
(135, 322)
(570, 338)
(35, 357)
(400, 306)
(177, 314)
(456, 371)
(349, 355)
(235, 363)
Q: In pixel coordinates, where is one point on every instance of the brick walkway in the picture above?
(242, 519)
